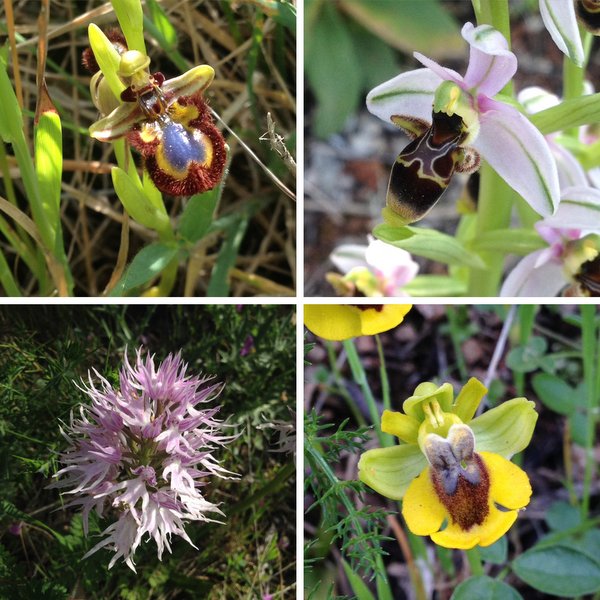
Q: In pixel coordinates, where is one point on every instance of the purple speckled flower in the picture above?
(145, 449)
(248, 346)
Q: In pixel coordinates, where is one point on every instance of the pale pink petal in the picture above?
(348, 256)
(409, 94)
(491, 64)
(535, 99)
(520, 155)
(527, 281)
(561, 22)
(579, 209)
(570, 171)
(444, 73)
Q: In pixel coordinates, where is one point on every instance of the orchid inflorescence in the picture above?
(141, 452)
(455, 122)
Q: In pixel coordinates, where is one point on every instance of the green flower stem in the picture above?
(494, 209)
(474, 559)
(385, 382)
(455, 336)
(318, 459)
(340, 389)
(360, 377)
(168, 277)
(589, 350)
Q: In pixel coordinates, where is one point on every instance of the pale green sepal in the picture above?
(131, 19)
(402, 426)
(390, 471)
(192, 81)
(506, 429)
(444, 394)
(468, 399)
(135, 202)
(107, 57)
(117, 124)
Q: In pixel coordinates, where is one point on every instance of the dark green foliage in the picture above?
(45, 349)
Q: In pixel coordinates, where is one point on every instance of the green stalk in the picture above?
(385, 382)
(360, 377)
(7, 280)
(340, 389)
(588, 313)
(493, 212)
(455, 338)
(474, 559)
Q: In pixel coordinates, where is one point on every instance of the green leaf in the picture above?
(524, 359)
(422, 25)
(49, 159)
(162, 23)
(562, 515)
(197, 216)
(131, 19)
(357, 584)
(554, 393)
(11, 118)
(428, 243)
(483, 587)
(559, 570)
(496, 553)
(136, 203)
(329, 50)
(514, 241)
(219, 279)
(146, 265)
(435, 285)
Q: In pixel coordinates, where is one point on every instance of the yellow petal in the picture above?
(332, 321)
(495, 525)
(343, 321)
(509, 484)
(468, 399)
(383, 317)
(402, 426)
(421, 508)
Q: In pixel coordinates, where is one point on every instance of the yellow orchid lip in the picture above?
(343, 321)
(470, 512)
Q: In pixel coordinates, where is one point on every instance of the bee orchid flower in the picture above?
(572, 255)
(467, 122)
(452, 470)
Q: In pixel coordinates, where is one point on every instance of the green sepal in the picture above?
(468, 399)
(131, 19)
(390, 471)
(137, 205)
(402, 426)
(107, 57)
(428, 391)
(506, 429)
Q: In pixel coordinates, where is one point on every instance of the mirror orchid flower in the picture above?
(572, 255)
(376, 270)
(451, 470)
(169, 123)
(495, 130)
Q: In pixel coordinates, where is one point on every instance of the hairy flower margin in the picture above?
(144, 450)
(452, 470)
